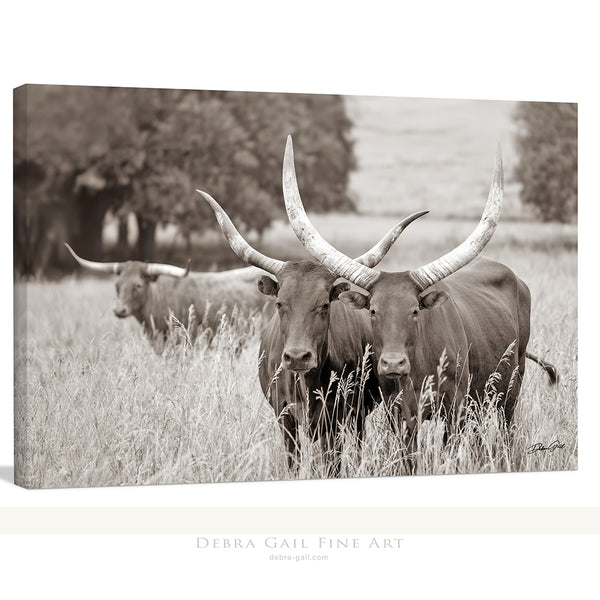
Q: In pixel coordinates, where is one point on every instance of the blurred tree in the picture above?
(80, 152)
(547, 145)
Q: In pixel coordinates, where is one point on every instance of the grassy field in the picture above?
(96, 406)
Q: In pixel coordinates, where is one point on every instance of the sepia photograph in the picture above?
(225, 286)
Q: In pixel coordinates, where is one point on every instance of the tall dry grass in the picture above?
(95, 406)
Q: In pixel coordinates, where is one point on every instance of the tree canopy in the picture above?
(82, 151)
(547, 146)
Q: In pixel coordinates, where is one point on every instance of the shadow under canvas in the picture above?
(7, 473)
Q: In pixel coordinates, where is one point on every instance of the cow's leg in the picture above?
(279, 392)
(513, 395)
(332, 450)
(158, 341)
(326, 428)
(411, 448)
(454, 410)
(360, 430)
(362, 406)
(400, 410)
(289, 429)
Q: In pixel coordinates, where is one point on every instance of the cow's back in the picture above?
(493, 306)
(211, 294)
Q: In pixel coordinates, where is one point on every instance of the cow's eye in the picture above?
(372, 312)
(415, 312)
(278, 305)
(325, 307)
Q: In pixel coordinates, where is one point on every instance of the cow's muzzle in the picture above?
(393, 365)
(299, 359)
(121, 311)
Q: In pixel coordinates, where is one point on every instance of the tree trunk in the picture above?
(122, 251)
(145, 244)
(91, 219)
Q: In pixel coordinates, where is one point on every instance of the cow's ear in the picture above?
(336, 290)
(355, 299)
(432, 299)
(151, 278)
(267, 286)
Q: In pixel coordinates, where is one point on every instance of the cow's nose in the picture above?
(298, 359)
(394, 364)
(120, 311)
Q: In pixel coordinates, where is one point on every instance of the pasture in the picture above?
(95, 406)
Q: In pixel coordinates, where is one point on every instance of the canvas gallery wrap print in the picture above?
(217, 286)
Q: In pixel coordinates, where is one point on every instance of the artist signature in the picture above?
(538, 447)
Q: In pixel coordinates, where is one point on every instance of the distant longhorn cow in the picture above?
(474, 311)
(151, 292)
(310, 337)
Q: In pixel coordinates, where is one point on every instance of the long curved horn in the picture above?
(375, 255)
(170, 270)
(238, 244)
(325, 253)
(101, 267)
(462, 255)
(114, 267)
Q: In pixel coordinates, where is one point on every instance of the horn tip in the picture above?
(412, 218)
(211, 201)
(207, 197)
(71, 251)
(289, 148)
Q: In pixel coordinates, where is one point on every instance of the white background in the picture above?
(501, 50)
(529, 567)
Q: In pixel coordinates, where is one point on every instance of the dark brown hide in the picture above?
(473, 315)
(311, 321)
